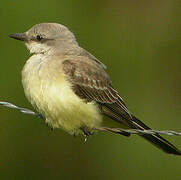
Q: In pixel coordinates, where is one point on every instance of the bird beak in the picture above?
(19, 36)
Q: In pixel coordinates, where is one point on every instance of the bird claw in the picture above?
(86, 134)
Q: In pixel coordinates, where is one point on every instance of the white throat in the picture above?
(37, 48)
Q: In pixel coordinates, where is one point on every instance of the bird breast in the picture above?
(48, 90)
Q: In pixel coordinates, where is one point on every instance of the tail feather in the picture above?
(156, 139)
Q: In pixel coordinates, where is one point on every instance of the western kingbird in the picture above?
(70, 87)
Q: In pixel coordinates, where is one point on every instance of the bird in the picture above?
(70, 87)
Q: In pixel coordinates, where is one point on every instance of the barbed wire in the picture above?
(22, 110)
(138, 131)
(114, 130)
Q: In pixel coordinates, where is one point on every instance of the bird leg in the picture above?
(86, 133)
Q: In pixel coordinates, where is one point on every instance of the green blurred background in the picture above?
(140, 42)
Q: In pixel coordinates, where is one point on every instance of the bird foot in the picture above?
(86, 134)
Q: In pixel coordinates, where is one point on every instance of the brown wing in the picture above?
(91, 82)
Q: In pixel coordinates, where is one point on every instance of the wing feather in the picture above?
(91, 82)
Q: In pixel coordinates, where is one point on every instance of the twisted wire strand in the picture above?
(22, 110)
(115, 130)
(138, 131)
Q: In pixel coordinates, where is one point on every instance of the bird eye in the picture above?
(39, 38)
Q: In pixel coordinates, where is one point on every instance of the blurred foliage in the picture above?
(140, 42)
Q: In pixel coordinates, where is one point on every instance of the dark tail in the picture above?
(132, 122)
(156, 140)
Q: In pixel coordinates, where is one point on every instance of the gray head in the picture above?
(47, 37)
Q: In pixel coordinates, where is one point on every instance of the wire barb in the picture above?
(114, 130)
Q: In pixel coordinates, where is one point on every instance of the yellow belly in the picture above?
(51, 94)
